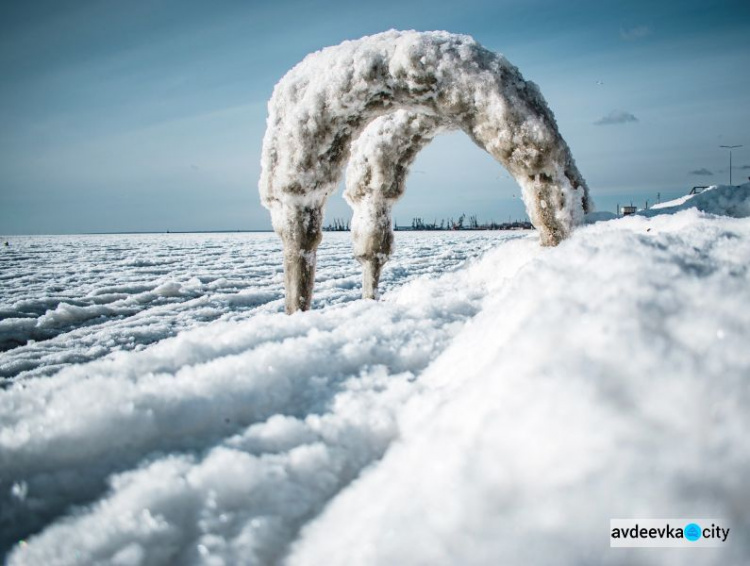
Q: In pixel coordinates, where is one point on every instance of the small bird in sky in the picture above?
(600, 82)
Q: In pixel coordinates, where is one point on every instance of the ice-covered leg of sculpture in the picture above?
(375, 180)
(553, 204)
(372, 236)
(300, 234)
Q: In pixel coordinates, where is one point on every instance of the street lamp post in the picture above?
(730, 148)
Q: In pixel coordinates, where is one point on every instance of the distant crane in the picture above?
(730, 148)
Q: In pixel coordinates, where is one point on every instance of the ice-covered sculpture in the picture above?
(442, 80)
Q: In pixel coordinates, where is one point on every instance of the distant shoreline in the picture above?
(144, 232)
(400, 230)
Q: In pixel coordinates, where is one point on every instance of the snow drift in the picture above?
(532, 434)
(324, 103)
(724, 200)
(501, 413)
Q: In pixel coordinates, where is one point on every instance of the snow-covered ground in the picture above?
(71, 299)
(500, 411)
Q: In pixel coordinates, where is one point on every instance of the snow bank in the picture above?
(727, 200)
(458, 421)
(531, 434)
(599, 216)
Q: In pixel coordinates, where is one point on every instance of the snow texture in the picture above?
(71, 299)
(324, 103)
(232, 434)
(502, 412)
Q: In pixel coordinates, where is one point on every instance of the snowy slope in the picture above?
(533, 432)
(717, 199)
(501, 413)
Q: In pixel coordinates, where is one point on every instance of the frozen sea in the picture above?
(71, 299)
(499, 404)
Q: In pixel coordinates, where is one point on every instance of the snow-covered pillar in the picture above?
(372, 237)
(327, 100)
(300, 227)
(375, 179)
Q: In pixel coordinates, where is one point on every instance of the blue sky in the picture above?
(149, 116)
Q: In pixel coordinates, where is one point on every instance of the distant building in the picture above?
(627, 210)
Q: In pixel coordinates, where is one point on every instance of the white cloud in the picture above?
(616, 117)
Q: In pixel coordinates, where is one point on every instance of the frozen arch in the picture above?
(376, 177)
(328, 99)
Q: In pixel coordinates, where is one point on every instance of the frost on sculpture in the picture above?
(375, 178)
(441, 80)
